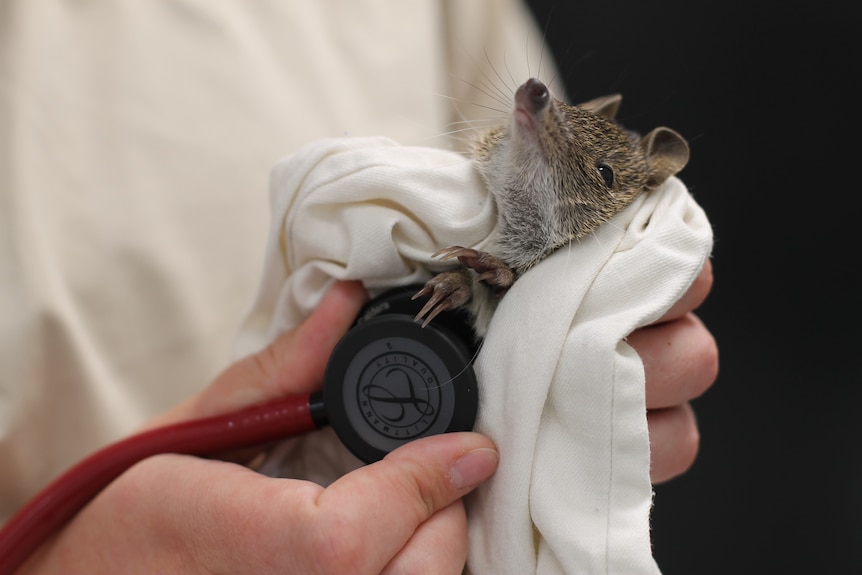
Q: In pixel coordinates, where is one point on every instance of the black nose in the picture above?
(533, 94)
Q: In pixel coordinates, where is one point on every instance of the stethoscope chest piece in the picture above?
(390, 380)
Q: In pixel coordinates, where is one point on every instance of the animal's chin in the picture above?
(524, 121)
(526, 138)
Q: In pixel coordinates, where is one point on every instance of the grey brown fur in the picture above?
(557, 172)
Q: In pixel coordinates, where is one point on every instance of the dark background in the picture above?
(767, 96)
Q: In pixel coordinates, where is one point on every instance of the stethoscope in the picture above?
(388, 381)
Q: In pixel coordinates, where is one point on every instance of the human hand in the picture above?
(680, 359)
(182, 514)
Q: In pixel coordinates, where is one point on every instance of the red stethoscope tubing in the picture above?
(57, 503)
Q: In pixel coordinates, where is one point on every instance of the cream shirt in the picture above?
(136, 142)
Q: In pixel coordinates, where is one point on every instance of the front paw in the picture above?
(447, 290)
(491, 269)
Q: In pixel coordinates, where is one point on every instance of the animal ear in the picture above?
(604, 106)
(667, 153)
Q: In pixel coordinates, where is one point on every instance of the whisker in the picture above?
(460, 101)
(573, 65)
(488, 121)
(493, 109)
(491, 87)
(550, 82)
(498, 94)
(545, 39)
(509, 72)
(499, 77)
(500, 99)
(470, 362)
(460, 131)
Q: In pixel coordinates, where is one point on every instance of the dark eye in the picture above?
(606, 172)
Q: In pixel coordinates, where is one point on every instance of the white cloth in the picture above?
(561, 392)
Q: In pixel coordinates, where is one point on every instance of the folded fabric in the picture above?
(561, 393)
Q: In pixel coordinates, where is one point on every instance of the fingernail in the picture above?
(474, 467)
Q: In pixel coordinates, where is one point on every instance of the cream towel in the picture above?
(561, 392)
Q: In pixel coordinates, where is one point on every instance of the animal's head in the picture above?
(574, 158)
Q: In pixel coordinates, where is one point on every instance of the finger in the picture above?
(438, 546)
(674, 441)
(294, 363)
(680, 360)
(692, 298)
(401, 492)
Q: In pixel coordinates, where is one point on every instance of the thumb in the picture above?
(401, 492)
(294, 363)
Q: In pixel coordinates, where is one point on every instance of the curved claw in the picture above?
(499, 277)
(454, 252)
(444, 306)
(447, 290)
(426, 290)
(437, 297)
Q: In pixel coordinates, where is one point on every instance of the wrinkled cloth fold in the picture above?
(561, 393)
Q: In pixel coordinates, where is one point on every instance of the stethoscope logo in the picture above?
(399, 395)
